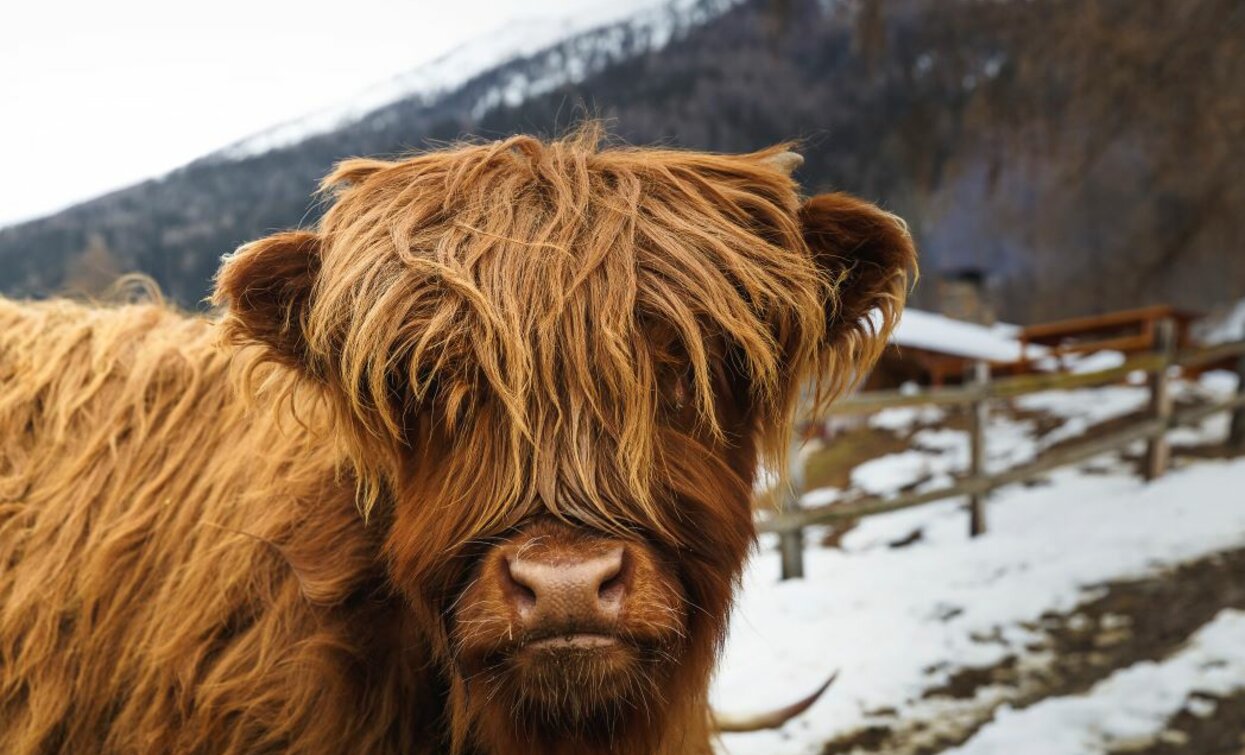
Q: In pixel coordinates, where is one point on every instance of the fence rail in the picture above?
(977, 393)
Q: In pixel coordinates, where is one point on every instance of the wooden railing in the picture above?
(977, 393)
(1129, 331)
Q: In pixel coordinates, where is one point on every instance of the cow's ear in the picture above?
(868, 257)
(266, 287)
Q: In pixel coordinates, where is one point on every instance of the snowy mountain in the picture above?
(175, 228)
(554, 51)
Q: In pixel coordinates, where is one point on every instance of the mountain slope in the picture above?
(555, 51)
(175, 228)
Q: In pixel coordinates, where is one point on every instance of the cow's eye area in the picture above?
(679, 392)
(676, 388)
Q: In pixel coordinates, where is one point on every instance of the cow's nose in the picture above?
(588, 589)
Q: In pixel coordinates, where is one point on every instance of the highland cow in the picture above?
(466, 468)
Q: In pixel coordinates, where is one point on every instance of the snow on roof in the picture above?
(919, 329)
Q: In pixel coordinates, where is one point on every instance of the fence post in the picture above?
(791, 542)
(978, 375)
(1158, 454)
(1236, 432)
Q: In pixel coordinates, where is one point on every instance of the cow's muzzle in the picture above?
(553, 594)
(568, 598)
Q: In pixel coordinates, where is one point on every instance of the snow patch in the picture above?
(905, 418)
(1227, 327)
(892, 472)
(1097, 362)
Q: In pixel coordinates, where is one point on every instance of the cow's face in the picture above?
(560, 625)
(558, 368)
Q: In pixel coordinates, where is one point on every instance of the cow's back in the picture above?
(146, 602)
(82, 385)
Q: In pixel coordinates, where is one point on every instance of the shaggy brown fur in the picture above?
(276, 531)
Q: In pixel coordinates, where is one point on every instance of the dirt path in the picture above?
(1127, 622)
(1216, 728)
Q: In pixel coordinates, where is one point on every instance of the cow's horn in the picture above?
(787, 162)
(769, 720)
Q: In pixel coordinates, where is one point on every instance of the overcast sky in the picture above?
(98, 94)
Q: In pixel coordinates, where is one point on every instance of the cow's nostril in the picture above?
(612, 586)
(520, 592)
(611, 591)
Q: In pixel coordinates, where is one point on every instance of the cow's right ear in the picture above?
(266, 287)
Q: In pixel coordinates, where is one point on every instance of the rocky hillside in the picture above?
(1078, 154)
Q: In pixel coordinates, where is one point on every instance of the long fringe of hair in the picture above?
(515, 284)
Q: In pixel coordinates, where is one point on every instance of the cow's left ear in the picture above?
(266, 286)
(869, 258)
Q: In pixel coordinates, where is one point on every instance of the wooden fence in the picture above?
(977, 393)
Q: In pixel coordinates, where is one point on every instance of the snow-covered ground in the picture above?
(1130, 705)
(936, 452)
(895, 622)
